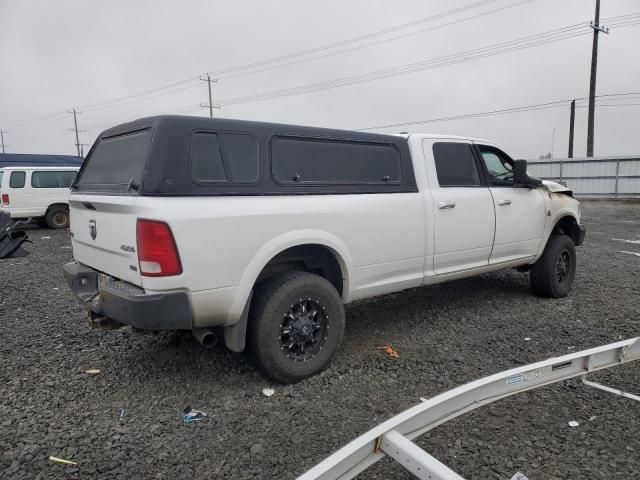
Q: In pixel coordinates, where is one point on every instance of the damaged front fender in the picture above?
(554, 187)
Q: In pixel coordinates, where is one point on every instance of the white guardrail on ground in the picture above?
(597, 176)
(394, 437)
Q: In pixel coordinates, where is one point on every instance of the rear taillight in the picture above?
(5, 198)
(157, 251)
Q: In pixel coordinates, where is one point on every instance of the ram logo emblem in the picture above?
(93, 229)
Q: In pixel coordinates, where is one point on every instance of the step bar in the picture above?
(394, 437)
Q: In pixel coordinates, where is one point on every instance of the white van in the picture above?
(41, 193)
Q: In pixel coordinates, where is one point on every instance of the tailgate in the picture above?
(103, 230)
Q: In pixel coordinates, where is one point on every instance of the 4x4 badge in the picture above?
(93, 229)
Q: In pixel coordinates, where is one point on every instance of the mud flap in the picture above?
(235, 335)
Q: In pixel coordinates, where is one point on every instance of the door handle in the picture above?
(445, 205)
(504, 202)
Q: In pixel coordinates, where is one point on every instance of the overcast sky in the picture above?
(77, 53)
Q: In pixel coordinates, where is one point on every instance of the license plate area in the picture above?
(111, 283)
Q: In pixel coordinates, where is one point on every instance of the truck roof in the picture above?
(198, 121)
(443, 135)
(186, 121)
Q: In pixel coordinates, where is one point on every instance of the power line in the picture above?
(632, 17)
(495, 49)
(133, 100)
(359, 47)
(94, 106)
(628, 20)
(617, 94)
(143, 96)
(121, 100)
(613, 105)
(500, 48)
(523, 108)
(622, 17)
(39, 120)
(351, 40)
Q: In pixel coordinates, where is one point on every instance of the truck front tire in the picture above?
(553, 273)
(57, 218)
(296, 324)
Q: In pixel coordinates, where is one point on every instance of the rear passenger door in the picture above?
(464, 218)
(520, 212)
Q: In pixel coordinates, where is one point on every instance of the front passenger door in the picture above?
(520, 212)
(463, 209)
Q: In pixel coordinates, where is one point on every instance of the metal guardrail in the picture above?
(602, 176)
(394, 437)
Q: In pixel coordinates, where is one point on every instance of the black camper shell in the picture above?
(193, 156)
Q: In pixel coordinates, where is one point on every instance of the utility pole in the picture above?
(82, 145)
(2, 132)
(597, 28)
(210, 105)
(572, 122)
(75, 125)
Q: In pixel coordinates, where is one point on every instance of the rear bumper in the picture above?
(128, 304)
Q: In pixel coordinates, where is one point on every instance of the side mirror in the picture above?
(520, 176)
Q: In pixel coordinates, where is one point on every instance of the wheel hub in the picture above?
(563, 266)
(304, 329)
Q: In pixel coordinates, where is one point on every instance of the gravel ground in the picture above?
(446, 335)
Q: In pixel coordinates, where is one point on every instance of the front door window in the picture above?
(499, 166)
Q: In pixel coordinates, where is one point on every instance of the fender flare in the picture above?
(236, 324)
(551, 225)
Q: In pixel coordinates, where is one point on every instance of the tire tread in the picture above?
(542, 273)
(265, 303)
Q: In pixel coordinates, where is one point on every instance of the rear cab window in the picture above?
(17, 179)
(116, 164)
(456, 165)
(60, 179)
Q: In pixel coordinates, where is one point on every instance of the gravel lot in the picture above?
(446, 335)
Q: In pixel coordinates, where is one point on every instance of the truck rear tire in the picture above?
(296, 324)
(57, 218)
(553, 273)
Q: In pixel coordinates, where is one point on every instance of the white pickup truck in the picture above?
(267, 230)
